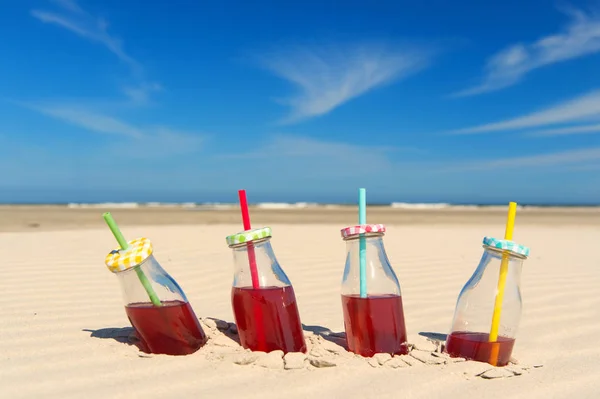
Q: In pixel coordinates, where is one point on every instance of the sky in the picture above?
(176, 101)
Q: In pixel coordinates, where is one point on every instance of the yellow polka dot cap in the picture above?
(119, 260)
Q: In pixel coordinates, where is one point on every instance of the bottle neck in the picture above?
(149, 276)
(496, 261)
(256, 266)
(371, 242)
(368, 270)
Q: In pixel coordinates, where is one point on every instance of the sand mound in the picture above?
(327, 349)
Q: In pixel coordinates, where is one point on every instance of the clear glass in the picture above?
(164, 285)
(374, 323)
(381, 278)
(171, 328)
(471, 325)
(266, 315)
(270, 273)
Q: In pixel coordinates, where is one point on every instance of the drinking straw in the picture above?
(250, 246)
(258, 316)
(112, 225)
(362, 219)
(508, 234)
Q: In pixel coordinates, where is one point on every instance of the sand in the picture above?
(64, 332)
(53, 217)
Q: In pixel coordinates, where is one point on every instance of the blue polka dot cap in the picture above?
(506, 245)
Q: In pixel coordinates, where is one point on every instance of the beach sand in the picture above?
(62, 332)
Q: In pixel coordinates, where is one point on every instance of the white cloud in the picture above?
(579, 109)
(585, 167)
(74, 18)
(149, 141)
(567, 131)
(308, 156)
(328, 77)
(70, 5)
(89, 120)
(581, 37)
(282, 145)
(541, 160)
(140, 94)
(161, 142)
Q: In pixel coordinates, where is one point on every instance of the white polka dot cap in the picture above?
(506, 245)
(248, 235)
(351, 231)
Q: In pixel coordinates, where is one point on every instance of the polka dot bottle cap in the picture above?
(506, 245)
(119, 260)
(248, 235)
(351, 231)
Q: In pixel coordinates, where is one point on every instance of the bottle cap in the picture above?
(506, 245)
(119, 259)
(351, 231)
(248, 235)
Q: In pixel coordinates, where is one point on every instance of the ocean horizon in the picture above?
(295, 205)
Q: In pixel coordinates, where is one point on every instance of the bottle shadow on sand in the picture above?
(124, 335)
(434, 336)
(128, 335)
(338, 338)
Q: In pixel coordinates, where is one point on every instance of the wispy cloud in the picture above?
(331, 76)
(566, 131)
(569, 157)
(140, 94)
(74, 18)
(285, 145)
(89, 120)
(319, 157)
(584, 108)
(580, 37)
(149, 141)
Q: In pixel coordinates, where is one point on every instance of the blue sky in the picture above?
(303, 101)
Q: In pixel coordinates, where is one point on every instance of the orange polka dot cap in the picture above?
(119, 260)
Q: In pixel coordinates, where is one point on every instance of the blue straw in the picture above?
(362, 219)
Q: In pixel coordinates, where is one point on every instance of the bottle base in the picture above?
(476, 346)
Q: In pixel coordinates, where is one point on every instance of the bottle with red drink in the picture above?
(472, 326)
(371, 300)
(156, 306)
(262, 296)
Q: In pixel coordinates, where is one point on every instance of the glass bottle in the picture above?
(488, 309)
(371, 300)
(156, 306)
(262, 296)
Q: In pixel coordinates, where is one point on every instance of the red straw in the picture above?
(251, 255)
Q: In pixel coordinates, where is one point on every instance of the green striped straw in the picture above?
(362, 219)
(112, 225)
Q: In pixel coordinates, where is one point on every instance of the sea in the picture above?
(212, 206)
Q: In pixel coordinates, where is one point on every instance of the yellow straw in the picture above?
(508, 234)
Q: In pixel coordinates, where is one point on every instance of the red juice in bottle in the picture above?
(374, 324)
(371, 298)
(262, 297)
(155, 304)
(169, 329)
(476, 346)
(279, 326)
